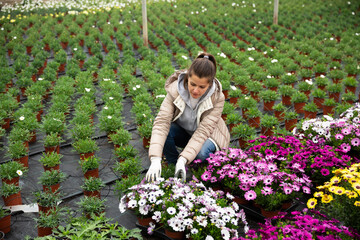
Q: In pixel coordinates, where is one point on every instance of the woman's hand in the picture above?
(154, 171)
(180, 171)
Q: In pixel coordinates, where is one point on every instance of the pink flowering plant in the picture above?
(301, 225)
(342, 133)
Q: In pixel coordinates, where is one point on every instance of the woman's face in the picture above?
(197, 86)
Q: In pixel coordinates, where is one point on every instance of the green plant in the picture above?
(254, 86)
(110, 123)
(247, 102)
(92, 184)
(234, 118)
(322, 81)
(329, 102)
(317, 92)
(288, 78)
(125, 151)
(305, 86)
(311, 107)
(4, 212)
(12, 169)
(47, 198)
(228, 108)
(334, 88)
(50, 159)
(289, 115)
(253, 112)
(145, 129)
(52, 177)
(298, 97)
(130, 166)
(17, 149)
(9, 189)
(336, 74)
(52, 218)
(82, 131)
(349, 96)
(89, 163)
(286, 90)
(53, 139)
(269, 95)
(19, 134)
(122, 186)
(86, 145)
(279, 107)
(243, 131)
(120, 137)
(350, 81)
(268, 121)
(51, 124)
(92, 205)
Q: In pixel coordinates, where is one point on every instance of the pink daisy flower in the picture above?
(250, 195)
(355, 142)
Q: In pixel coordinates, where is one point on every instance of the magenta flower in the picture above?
(345, 147)
(339, 136)
(345, 131)
(250, 195)
(325, 171)
(287, 190)
(355, 142)
(266, 191)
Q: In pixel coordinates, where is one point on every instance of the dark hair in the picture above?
(203, 66)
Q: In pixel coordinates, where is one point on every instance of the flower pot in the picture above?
(255, 96)
(62, 67)
(243, 89)
(242, 143)
(14, 180)
(226, 93)
(92, 173)
(144, 221)
(328, 110)
(92, 194)
(286, 205)
(146, 142)
(52, 149)
(224, 116)
(81, 63)
(267, 131)
(254, 122)
(309, 115)
(174, 235)
(6, 125)
(86, 155)
(28, 49)
(268, 106)
(350, 89)
(233, 100)
(52, 188)
(319, 101)
(307, 93)
(286, 100)
(33, 137)
(335, 96)
(47, 47)
(57, 167)
(5, 224)
(269, 214)
(240, 200)
(14, 199)
(38, 116)
(290, 124)
(299, 107)
(44, 231)
(23, 160)
(279, 115)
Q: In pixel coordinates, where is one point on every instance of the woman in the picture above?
(189, 118)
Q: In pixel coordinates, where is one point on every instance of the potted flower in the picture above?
(310, 110)
(125, 151)
(130, 166)
(5, 220)
(246, 103)
(51, 180)
(46, 200)
(91, 206)
(244, 133)
(334, 91)
(145, 130)
(234, 95)
(322, 82)
(289, 79)
(291, 119)
(336, 75)
(227, 109)
(349, 97)
(286, 92)
(305, 87)
(20, 134)
(52, 124)
(350, 84)
(18, 152)
(279, 110)
(11, 194)
(11, 171)
(90, 166)
(120, 137)
(320, 69)
(299, 99)
(269, 97)
(110, 123)
(52, 142)
(233, 119)
(85, 147)
(267, 124)
(46, 222)
(82, 131)
(51, 161)
(328, 106)
(254, 88)
(92, 187)
(319, 96)
(253, 115)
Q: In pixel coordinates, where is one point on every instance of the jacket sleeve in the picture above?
(206, 127)
(161, 127)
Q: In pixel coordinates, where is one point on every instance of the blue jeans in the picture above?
(178, 137)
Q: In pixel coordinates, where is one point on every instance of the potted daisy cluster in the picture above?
(183, 209)
(339, 197)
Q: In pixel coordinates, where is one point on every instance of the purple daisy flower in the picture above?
(345, 147)
(339, 136)
(355, 142)
(250, 195)
(206, 176)
(266, 191)
(287, 190)
(345, 131)
(325, 171)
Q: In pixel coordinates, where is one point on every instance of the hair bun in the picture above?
(206, 56)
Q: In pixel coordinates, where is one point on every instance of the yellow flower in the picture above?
(340, 191)
(352, 169)
(311, 203)
(357, 203)
(337, 171)
(12, 20)
(327, 198)
(318, 194)
(352, 180)
(352, 194)
(347, 176)
(335, 180)
(356, 186)
(332, 189)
